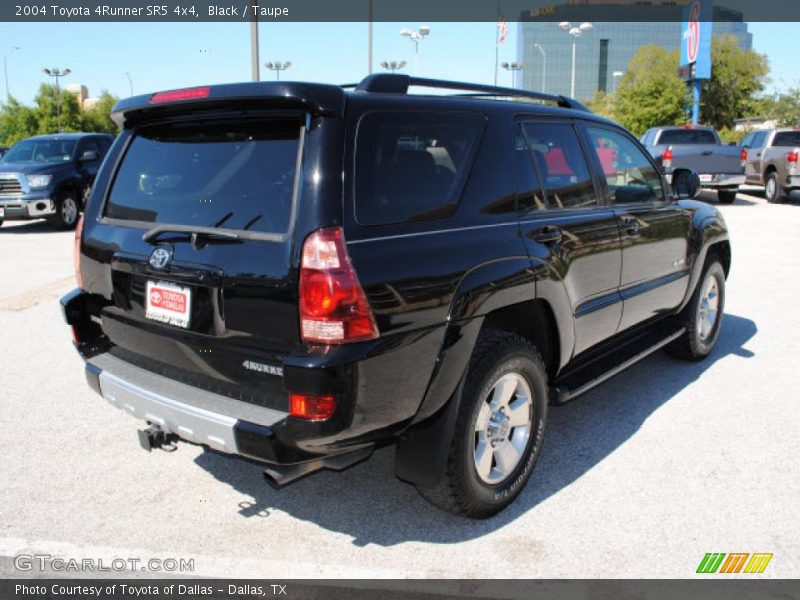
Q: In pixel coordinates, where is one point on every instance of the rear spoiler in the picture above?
(322, 99)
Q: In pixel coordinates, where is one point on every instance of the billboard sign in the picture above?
(696, 39)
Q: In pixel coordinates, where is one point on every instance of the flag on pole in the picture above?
(502, 29)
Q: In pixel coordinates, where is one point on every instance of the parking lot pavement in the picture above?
(640, 478)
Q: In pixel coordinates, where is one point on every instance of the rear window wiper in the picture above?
(198, 235)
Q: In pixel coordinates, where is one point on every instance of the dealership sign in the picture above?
(696, 40)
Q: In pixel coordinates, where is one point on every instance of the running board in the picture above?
(580, 381)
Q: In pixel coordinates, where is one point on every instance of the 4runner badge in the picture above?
(262, 368)
(160, 257)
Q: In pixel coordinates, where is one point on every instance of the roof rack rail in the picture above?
(398, 83)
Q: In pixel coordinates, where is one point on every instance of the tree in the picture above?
(650, 93)
(97, 119)
(785, 109)
(737, 77)
(17, 122)
(47, 108)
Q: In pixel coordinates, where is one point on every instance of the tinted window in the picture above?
(787, 138)
(234, 175)
(45, 151)
(412, 166)
(687, 136)
(630, 176)
(561, 165)
(747, 141)
(86, 145)
(529, 189)
(758, 139)
(105, 144)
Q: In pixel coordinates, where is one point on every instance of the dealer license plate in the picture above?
(168, 303)
(705, 178)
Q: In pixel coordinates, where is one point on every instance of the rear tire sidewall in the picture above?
(773, 184)
(494, 497)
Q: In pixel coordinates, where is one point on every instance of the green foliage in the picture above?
(97, 119)
(18, 121)
(650, 93)
(731, 135)
(785, 109)
(737, 77)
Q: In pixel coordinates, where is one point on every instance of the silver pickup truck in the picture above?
(772, 161)
(680, 149)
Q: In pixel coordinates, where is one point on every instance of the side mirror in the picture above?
(685, 184)
(89, 156)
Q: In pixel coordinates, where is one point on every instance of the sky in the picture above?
(164, 56)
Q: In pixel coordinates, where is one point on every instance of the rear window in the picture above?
(233, 175)
(687, 136)
(411, 166)
(787, 138)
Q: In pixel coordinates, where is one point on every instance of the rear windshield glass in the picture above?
(411, 166)
(787, 138)
(687, 136)
(233, 175)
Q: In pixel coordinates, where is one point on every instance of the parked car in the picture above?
(49, 176)
(300, 273)
(772, 161)
(682, 149)
(3, 150)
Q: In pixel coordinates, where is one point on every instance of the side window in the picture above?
(561, 165)
(758, 139)
(529, 188)
(747, 141)
(105, 144)
(630, 176)
(412, 166)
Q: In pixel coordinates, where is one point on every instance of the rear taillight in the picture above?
(666, 158)
(311, 408)
(792, 156)
(76, 252)
(743, 154)
(333, 306)
(178, 95)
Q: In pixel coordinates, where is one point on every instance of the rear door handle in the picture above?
(548, 234)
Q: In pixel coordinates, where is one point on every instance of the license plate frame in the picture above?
(706, 178)
(168, 303)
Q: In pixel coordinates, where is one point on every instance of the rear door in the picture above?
(655, 230)
(565, 224)
(192, 250)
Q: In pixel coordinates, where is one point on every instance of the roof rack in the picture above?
(397, 83)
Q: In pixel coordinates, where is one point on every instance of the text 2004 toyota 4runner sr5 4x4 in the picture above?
(300, 273)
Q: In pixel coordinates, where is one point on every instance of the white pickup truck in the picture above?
(772, 156)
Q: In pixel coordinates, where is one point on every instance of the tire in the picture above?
(499, 361)
(682, 181)
(726, 196)
(702, 332)
(67, 211)
(773, 190)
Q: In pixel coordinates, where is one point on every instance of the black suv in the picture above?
(50, 176)
(300, 273)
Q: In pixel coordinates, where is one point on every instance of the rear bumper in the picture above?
(719, 180)
(793, 181)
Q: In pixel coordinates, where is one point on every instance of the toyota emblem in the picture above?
(161, 257)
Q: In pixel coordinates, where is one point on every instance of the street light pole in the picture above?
(416, 37)
(56, 72)
(575, 32)
(544, 66)
(278, 67)
(255, 72)
(5, 69)
(615, 75)
(130, 82)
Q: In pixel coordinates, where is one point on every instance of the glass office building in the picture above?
(606, 48)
